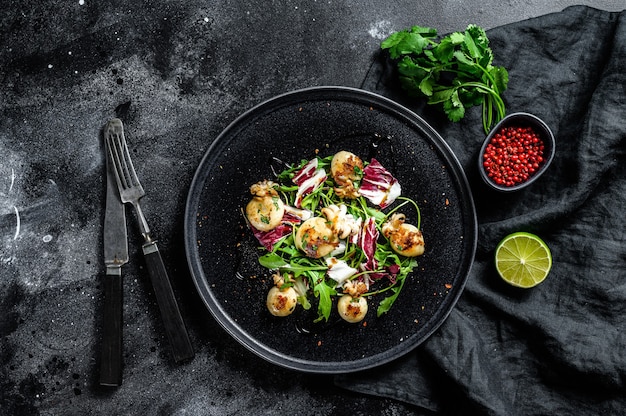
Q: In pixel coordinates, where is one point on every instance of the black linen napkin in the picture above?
(558, 348)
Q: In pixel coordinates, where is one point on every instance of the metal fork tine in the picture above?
(128, 163)
(114, 157)
(125, 174)
(122, 162)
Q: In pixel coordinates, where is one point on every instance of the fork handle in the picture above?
(170, 314)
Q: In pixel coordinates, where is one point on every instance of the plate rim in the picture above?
(262, 349)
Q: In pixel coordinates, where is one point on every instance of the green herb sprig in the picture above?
(455, 72)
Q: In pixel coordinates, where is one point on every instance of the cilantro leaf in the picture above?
(444, 52)
(456, 38)
(500, 77)
(426, 86)
(470, 47)
(454, 108)
(455, 72)
(441, 96)
(404, 43)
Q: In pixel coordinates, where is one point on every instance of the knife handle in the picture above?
(111, 360)
(170, 314)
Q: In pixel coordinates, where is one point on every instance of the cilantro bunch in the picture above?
(456, 71)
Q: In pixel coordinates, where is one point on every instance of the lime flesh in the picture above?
(523, 259)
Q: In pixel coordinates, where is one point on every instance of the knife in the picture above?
(115, 255)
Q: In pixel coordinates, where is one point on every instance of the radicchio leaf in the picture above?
(308, 179)
(392, 272)
(367, 243)
(271, 237)
(378, 185)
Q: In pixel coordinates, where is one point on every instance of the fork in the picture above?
(131, 192)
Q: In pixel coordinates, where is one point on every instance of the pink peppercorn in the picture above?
(513, 155)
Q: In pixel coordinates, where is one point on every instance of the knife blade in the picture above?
(115, 255)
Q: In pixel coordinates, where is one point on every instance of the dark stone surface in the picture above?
(177, 73)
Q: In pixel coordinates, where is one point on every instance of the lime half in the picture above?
(523, 259)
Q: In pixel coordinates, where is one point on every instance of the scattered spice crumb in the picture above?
(448, 286)
(319, 343)
(447, 201)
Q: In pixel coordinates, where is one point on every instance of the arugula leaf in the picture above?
(456, 72)
(273, 261)
(388, 302)
(324, 293)
(407, 267)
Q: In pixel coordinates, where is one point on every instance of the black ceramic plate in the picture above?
(223, 254)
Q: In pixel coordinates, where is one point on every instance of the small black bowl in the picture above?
(520, 120)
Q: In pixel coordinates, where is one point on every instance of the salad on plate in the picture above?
(335, 230)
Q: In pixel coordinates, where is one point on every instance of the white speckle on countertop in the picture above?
(380, 29)
(17, 223)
